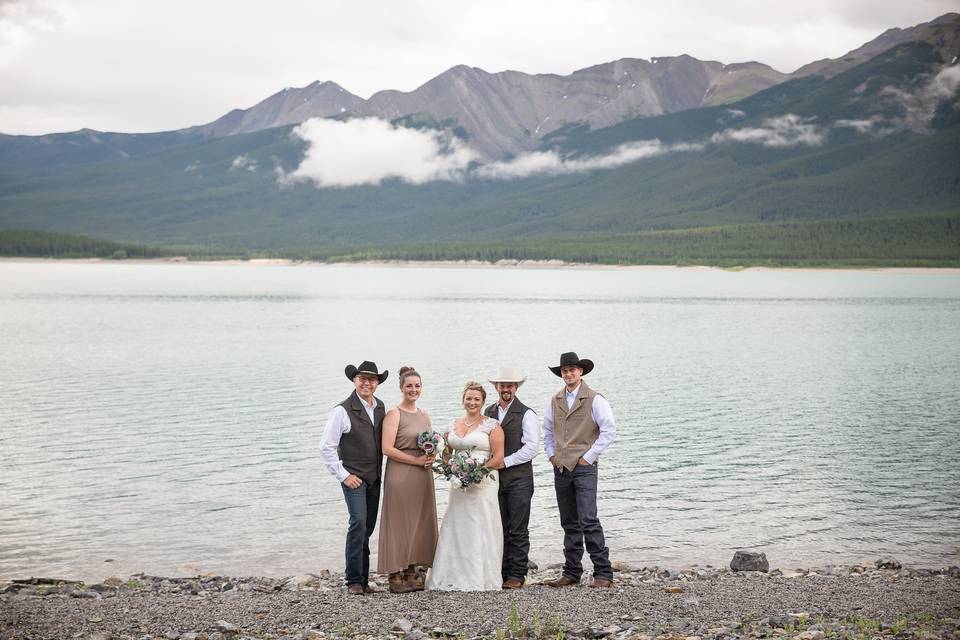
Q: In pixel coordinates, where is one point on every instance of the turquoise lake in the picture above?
(165, 418)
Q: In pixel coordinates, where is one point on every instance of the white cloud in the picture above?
(552, 163)
(369, 151)
(786, 131)
(244, 162)
(920, 104)
(789, 130)
(867, 125)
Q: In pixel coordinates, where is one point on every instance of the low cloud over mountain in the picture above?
(367, 151)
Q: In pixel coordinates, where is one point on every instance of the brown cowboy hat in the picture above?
(368, 368)
(570, 359)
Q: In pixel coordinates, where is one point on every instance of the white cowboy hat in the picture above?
(507, 374)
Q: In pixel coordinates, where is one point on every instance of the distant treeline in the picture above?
(923, 241)
(43, 244)
(909, 241)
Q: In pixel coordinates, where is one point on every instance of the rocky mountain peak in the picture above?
(943, 32)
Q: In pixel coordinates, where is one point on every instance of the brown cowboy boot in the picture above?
(412, 578)
(398, 584)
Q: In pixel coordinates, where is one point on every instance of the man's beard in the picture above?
(506, 396)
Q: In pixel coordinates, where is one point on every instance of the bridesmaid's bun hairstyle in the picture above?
(473, 385)
(406, 372)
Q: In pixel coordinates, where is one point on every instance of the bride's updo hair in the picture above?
(406, 372)
(473, 385)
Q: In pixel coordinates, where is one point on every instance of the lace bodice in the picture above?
(478, 439)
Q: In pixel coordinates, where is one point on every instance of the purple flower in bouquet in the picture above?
(429, 441)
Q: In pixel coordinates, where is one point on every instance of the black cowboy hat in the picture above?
(367, 367)
(570, 359)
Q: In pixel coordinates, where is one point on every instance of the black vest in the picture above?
(512, 426)
(361, 450)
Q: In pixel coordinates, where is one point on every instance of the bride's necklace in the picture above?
(470, 425)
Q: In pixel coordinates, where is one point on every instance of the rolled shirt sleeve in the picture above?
(603, 415)
(338, 423)
(530, 441)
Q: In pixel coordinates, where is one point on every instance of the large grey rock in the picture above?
(888, 563)
(780, 621)
(304, 582)
(227, 630)
(749, 561)
(403, 625)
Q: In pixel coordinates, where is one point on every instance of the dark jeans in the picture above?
(515, 498)
(577, 502)
(362, 505)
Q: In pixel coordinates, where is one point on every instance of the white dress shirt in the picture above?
(530, 437)
(601, 413)
(338, 423)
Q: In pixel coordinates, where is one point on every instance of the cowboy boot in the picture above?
(397, 583)
(412, 578)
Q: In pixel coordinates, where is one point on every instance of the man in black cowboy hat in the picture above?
(352, 451)
(521, 433)
(577, 427)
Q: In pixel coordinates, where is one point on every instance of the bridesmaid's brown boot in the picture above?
(398, 584)
(412, 578)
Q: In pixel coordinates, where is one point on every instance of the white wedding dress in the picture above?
(470, 548)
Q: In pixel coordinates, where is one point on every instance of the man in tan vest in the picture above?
(577, 427)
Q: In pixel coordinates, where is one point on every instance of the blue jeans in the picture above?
(577, 502)
(362, 505)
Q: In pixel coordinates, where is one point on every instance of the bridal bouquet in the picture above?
(464, 467)
(429, 441)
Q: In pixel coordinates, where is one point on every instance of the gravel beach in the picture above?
(854, 602)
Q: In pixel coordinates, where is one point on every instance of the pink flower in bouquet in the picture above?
(428, 441)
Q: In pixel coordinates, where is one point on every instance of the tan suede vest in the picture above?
(574, 431)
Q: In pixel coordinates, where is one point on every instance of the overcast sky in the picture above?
(134, 65)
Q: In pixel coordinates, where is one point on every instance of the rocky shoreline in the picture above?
(650, 603)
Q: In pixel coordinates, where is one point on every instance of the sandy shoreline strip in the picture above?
(469, 264)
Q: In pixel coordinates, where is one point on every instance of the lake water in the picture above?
(165, 417)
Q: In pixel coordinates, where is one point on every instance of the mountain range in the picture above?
(620, 147)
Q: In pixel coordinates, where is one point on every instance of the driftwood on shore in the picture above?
(702, 603)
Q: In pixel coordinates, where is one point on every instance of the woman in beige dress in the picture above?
(408, 528)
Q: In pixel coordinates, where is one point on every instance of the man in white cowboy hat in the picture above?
(521, 431)
(351, 449)
(577, 427)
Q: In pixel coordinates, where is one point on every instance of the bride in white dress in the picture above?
(470, 547)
